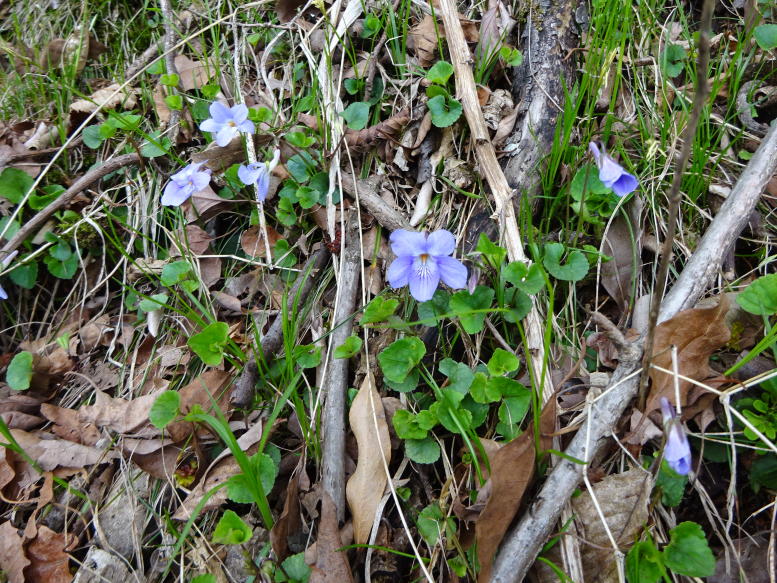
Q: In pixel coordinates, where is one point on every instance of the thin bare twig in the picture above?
(335, 384)
(169, 44)
(79, 186)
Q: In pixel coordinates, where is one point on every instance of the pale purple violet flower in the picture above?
(258, 173)
(227, 122)
(422, 261)
(677, 451)
(4, 263)
(611, 173)
(185, 183)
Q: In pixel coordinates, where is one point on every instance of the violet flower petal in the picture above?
(424, 279)
(220, 113)
(441, 242)
(398, 273)
(225, 135)
(210, 125)
(453, 273)
(408, 243)
(249, 173)
(175, 195)
(626, 184)
(3, 293)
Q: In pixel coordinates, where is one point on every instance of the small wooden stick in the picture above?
(79, 186)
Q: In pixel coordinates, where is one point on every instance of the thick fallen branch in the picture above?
(524, 543)
(79, 186)
(271, 342)
(366, 192)
(335, 384)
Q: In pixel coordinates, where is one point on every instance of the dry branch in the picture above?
(79, 186)
(272, 341)
(366, 192)
(335, 383)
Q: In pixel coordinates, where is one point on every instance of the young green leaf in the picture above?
(299, 139)
(164, 409)
(231, 530)
(491, 252)
(760, 297)
(25, 276)
(463, 304)
(153, 303)
(575, 268)
(307, 356)
(440, 72)
(175, 272)
(766, 36)
(644, 563)
(400, 357)
(92, 137)
(349, 348)
(670, 484)
(378, 310)
(209, 344)
(502, 362)
(407, 426)
(444, 110)
(357, 115)
(170, 80)
(432, 524)
(527, 279)
(206, 578)
(483, 390)
(296, 569)
(14, 184)
(430, 313)
(671, 60)
(19, 371)
(61, 268)
(422, 451)
(688, 552)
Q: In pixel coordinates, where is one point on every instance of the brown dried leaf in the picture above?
(193, 74)
(194, 239)
(12, 559)
(331, 565)
(696, 333)
(512, 470)
(210, 386)
(252, 240)
(495, 26)
(58, 453)
(289, 520)
(287, 9)
(205, 205)
(117, 414)
(365, 487)
(107, 98)
(623, 500)
(228, 302)
(67, 425)
(422, 38)
(210, 270)
(619, 243)
(48, 559)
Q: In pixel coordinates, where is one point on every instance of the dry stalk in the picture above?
(335, 383)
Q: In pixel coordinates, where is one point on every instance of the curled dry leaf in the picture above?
(696, 333)
(619, 243)
(252, 240)
(623, 499)
(512, 471)
(107, 98)
(365, 487)
(12, 558)
(364, 140)
(422, 38)
(193, 74)
(67, 425)
(289, 520)
(58, 453)
(331, 564)
(117, 414)
(48, 560)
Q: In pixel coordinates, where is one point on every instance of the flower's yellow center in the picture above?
(424, 257)
(231, 124)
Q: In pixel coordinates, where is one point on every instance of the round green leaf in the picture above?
(422, 451)
(19, 371)
(209, 344)
(231, 530)
(378, 310)
(760, 297)
(464, 305)
(440, 72)
(14, 184)
(527, 279)
(349, 348)
(766, 36)
(164, 409)
(643, 563)
(574, 269)
(444, 110)
(688, 552)
(400, 357)
(25, 275)
(502, 362)
(357, 115)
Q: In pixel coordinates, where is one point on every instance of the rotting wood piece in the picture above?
(538, 86)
